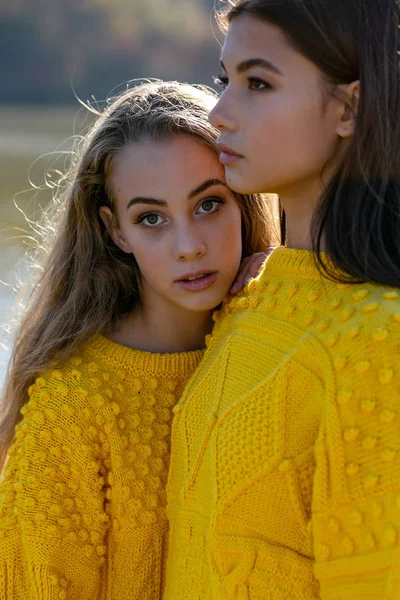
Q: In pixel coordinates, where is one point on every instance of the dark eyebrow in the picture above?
(204, 186)
(255, 62)
(143, 200)
(198, 190)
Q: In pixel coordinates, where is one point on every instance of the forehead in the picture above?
(161, 169)
(250, 37)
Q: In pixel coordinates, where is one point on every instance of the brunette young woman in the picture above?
(285, 463)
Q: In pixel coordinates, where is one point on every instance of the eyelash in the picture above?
(218, 202)
(222, 81)
(140, 220)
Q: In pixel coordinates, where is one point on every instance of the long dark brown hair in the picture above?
(358, 217)
(87, 284)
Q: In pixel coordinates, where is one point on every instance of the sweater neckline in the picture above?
(115, 355)
(292, 262)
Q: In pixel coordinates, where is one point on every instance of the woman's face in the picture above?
(279, 129)
(179, 219)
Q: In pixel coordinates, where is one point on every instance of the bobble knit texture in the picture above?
(82, 501)
(285, 466)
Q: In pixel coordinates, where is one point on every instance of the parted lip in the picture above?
(194, 274)
(224, 148)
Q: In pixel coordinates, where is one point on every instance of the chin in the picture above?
(203, 304)
(237, 183)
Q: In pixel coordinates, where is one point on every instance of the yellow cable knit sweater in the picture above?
(82, 503)
(285, 465)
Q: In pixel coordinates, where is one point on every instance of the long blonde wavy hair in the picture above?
(86, 282)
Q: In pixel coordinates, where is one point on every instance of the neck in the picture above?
(157, 326)
(299, 205)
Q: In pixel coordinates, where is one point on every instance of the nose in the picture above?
(221, 116)
(189, 244)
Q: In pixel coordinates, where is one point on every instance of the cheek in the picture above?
(291, 138)
(280, 125)
(150, 257)
(228, 238)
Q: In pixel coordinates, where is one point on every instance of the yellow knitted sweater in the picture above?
(82, 502)
(285, 465)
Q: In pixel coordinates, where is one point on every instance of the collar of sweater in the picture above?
(289, 262)
(117, 356)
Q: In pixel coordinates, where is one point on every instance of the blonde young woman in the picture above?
(143, 243)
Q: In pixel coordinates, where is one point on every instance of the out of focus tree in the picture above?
(50, 47)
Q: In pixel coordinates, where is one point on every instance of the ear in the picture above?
(110, 223)
(350, 95)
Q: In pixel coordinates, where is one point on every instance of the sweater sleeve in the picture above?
(356, 501)
(52, 506)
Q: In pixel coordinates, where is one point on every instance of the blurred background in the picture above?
(55, 52)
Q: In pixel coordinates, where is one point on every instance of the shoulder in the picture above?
(358, 321)
(361, 336)
(63, 420)
(362, 432)
(371, 305)
(67, 391)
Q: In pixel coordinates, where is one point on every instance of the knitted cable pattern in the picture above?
(285, 467)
